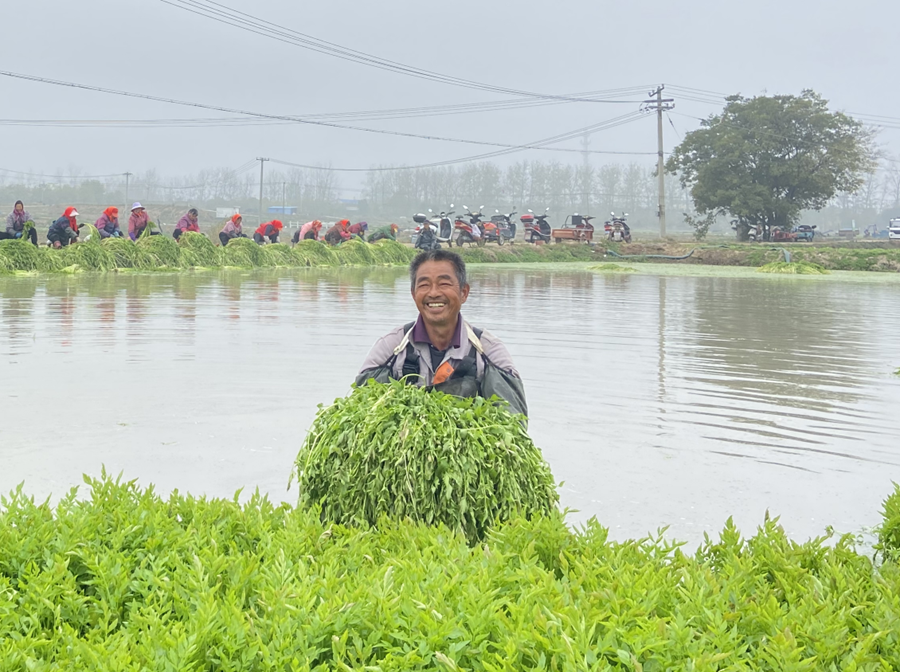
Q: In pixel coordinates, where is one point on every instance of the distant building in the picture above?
(283, 210)
(353, 204)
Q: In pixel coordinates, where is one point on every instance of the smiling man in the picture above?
(440, 349)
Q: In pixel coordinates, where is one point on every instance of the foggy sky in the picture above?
(557, 47)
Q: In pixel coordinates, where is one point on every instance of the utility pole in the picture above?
(262, 162)
(660, 105)
(127, 176)
(283, 186)
(586, 166)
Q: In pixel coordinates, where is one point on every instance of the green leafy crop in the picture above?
(119, 579)
(889, 530)
(397, 450)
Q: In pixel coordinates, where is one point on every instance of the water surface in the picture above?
(658, 400)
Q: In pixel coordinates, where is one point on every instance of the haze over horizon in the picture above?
(701, 52)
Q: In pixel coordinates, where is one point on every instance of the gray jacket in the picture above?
(495, 371)
(15, 222)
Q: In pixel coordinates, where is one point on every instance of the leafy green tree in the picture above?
(766, 159)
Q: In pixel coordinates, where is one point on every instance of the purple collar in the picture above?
(420, 333)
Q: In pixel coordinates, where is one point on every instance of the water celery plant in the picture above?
(122, 579)
(397, 450)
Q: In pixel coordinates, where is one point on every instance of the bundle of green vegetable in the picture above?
(356, 252)
(243, 253)
(162, 250)
(87, 256)
(197, 251)
(280, 255)
(128, 255)
(397, 450)
(391, 252)
(315, 253)
(19, 255)
(793, 268)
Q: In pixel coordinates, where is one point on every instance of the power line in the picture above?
(246, 113)
(510, 149)
(371, 115)
(62, 177)
(247, 22)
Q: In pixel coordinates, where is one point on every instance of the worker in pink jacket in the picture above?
(188, 222)
(138, 221)
(231, 230)
(309, 231)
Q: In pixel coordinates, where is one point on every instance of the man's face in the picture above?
(437, 293)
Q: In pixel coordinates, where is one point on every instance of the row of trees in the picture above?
(764, 161)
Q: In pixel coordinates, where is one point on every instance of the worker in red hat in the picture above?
(268, 230)
(338, 233)
(65, 229)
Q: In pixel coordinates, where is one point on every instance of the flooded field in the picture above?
(657, 399)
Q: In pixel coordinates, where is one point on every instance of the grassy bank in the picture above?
(123, 579)
(194, 251)
(882, 258)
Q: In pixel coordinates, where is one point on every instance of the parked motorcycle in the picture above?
(470, 232)
(617, 230)
(537, 228)
(443, 226)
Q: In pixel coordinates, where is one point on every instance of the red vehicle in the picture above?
(537, 229)
(469, 232)
(577, 227)
(779, 235)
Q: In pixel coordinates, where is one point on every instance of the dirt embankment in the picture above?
(881, 256)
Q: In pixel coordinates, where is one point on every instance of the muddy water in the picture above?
(658, 400)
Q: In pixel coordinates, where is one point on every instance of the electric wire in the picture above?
(247, 22)
(246, 113)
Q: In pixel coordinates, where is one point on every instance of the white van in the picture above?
(894, 229)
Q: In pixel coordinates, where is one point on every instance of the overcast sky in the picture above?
(150, 47)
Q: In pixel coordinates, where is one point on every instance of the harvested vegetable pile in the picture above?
(87, 256)
(315, 253)
(197, 251)
(391, 252)
(793, 268)
(355, 252)
(397, 450)
(162, 250)
(193, 251)
(19, 255)
(280, 255)
(243, 253)
(121, 579)
(128, 255)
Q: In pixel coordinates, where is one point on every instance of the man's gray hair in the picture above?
(459, 266)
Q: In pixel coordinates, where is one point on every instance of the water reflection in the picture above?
(658, 400)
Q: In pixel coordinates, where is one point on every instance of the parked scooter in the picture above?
(537, 228)
(753, 233)
(443, 226)
(470, 232)
(617, 230)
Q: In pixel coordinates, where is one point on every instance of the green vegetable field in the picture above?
(123, 579)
